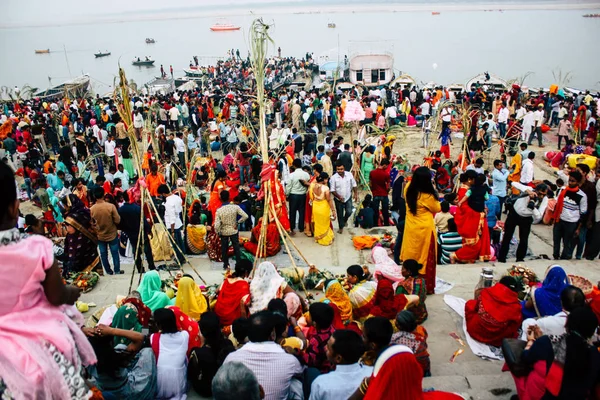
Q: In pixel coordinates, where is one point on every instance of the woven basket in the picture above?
(582, 283)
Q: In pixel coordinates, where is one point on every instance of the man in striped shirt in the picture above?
(569, 214)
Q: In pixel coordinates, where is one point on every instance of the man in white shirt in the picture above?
(344, 349)
(574, 204)
(477, 166)
(138, 123)
(173, 209)
(391, 114)
(503, 119)
(538, 119)
(527, 169)
(343, 186)
(124, 176)
(521, 111)
(109, 149)
(174, 118)
(570, 298)
(425, 108)
(295, 190)
(180, 148)
(528, 123)
(99, 135)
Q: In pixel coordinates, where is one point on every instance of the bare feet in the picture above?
(453, 258)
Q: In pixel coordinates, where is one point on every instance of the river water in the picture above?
(447, 48)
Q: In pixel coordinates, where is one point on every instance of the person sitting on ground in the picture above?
(414, 284)
(206, 360)
(397, 375)
(545, 300)
(273, 367)
(235, 381)
(386, 303)
(377, 333)
(150, 290)
(321, 329)
(571, 298)
(190, 299)
(239, 332)
(234, 294)
(362, 292)
(495, 313)
(413, 336)
(122, 374)
(170, 349)
(366, 215)
(344, 349)
(565, 366)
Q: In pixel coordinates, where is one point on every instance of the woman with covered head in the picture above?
(151, 292)
(362, 292)
(266, 285)
(190, 299)
(42, 340)
(545, 300)
(81, 242)
(413, 284)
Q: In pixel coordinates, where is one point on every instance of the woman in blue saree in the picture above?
(545, 300)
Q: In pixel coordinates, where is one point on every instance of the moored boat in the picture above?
(150, 41)
(435, 13)
(591, 16)
(44, 51)
(219, 26)
(101, 54)
(74, 88)
(331, 25)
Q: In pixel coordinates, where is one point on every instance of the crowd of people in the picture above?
(202, 167)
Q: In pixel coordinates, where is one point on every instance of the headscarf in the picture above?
(190, 299)
(294, 307)
(397, 375)
(143, 312)
(336, 294)
(126, 318)
(185, 323)
(264, 286)
(442, 177)
(150, 290)
(546, 299)
(385, 266)
(387, 304)
(81, 246)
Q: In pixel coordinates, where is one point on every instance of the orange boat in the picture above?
(224, 27)
(435, 13)
(45, 51)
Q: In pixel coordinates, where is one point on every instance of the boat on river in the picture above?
(101, 54)
(150, 41)
(142, 62)
(44, 51)
(224, 26)
(74, 88)
(591, 16)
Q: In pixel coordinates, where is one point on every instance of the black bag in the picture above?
(512, 349)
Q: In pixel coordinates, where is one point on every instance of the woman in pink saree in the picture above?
(38, 335)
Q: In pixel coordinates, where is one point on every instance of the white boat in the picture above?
(372, 68)
(487, 79)
(403, 81)
(194, 71)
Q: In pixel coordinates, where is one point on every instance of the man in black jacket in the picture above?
(130, 224)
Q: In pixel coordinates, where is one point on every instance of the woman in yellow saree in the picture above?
(322, 210)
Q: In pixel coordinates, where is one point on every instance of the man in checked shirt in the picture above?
(226, 226)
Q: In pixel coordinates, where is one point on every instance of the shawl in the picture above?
(386, 304)
(500, 303)
(293, 304)
(546, 299)
(561, 201)
(442, 177)
(385, 266)
(150, 290)
(81, 246)
(190, 299)
(336, 294)
(143, 312)
(361, 295)
(185, 323)
(265, 286)
(126, 318)
(229, 298)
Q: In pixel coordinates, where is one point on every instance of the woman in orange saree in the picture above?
(472, 227)
(214, 202)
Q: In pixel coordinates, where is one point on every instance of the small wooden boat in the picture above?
(591, 16)
(142, 62)
(218, 27)
(100, 54)
(435, 13)
(150, 41)
(45, 51)
(193, 72)
(331, 25)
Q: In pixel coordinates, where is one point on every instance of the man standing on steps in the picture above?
(296, 192)
(226, 226)
(379, 180)
(130, 214)
(107, 218)
(343, 187)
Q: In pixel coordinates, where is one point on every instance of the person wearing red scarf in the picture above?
(495, 313)
(568, 216)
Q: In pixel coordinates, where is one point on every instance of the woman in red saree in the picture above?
(273, 242)
(214, 202)
(234, 294)
(495, 313)
(279, 201)
(185, 323)
(386, 303)
(471, 226)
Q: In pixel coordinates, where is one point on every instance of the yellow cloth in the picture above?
(161, 248)
(338, 296)
(419, 230)
(190, 299)
(321, 216)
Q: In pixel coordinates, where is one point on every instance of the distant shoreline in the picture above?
(325, 9)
